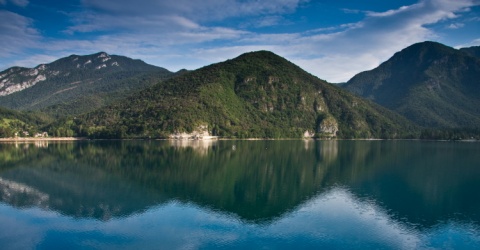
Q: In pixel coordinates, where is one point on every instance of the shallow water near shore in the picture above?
(240, 194)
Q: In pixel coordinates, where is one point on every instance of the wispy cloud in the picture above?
(475, 42)
(336, 54)
(455, 25)
(267, 21)
(37, 59)
(17, 33)
(197, 10)
(20, 3)
(376, 38)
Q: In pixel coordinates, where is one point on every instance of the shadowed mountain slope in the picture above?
(429, 83)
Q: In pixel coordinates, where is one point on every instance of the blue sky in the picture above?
(333, 40)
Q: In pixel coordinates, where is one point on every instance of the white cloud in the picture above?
(37, 59)
(15, 29)
(475, 42)
(196, 10)
(17, 34)
(455, 26)
(374, 39)
(106, 14)
(149, 16)
(387, 13)
(346, 50)
(351, 48)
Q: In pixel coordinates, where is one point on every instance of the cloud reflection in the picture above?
(333, 219)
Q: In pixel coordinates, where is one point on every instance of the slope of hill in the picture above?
(429, 83)
(257, 94)
(76, 84)
(14, 123)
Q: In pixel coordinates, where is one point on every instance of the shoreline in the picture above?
(33, 139)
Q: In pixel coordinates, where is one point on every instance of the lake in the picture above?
(240, 194)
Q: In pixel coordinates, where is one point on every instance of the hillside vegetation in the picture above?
(257, 94)
(22, 124)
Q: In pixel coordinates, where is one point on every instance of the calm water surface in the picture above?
(240, 194)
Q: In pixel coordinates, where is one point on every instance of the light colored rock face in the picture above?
(101, 66)
(201, 133)
(308, 134)
(17, 79)
(329, 126)
(9, 82)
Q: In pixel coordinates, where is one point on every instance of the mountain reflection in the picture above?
(259, 181)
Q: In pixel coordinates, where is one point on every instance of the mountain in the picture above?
(257, 94)
(76, 84)
(429, 83)
(473, 51)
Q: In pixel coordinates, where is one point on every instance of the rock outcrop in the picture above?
(201, 133)
(328, 127)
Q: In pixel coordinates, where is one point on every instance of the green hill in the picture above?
(76, 84)
(21, 124)
(429, 83)
(257, 94)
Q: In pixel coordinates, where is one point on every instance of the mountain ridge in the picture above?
(76, 84)
(429, 83)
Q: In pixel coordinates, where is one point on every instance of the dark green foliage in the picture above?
(257, 94)
(14, 122)
(429, 83)
(451, 134)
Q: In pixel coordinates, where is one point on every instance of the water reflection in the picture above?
(383, 194)
(335, 219)
(20, 194)
(200, 146)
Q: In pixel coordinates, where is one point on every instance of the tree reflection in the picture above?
(257, 180)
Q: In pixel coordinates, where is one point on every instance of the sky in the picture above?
(331, 39)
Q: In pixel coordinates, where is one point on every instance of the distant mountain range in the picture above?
(259, 94)
(76, 84)
(429, 83)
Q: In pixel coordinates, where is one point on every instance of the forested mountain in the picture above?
(431, 84)
(257, 94)
(76, 84)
